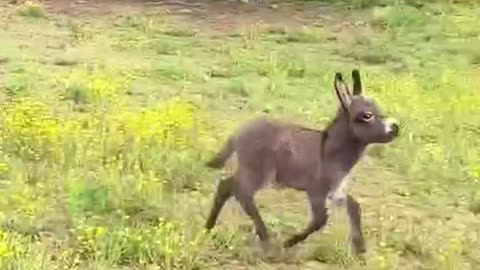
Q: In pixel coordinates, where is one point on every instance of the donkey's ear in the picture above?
(357, 82)
(342, 91)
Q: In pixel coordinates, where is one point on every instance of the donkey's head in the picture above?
(365, 118)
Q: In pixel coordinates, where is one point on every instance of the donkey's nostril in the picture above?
(395, 129)
(391, 127)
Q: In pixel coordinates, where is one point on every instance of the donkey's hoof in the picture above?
(359, 246)
(360, 252)
(290, 242)
(271, 251)
(266, 246)
(267, 249)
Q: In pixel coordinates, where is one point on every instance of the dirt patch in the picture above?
(222, 16)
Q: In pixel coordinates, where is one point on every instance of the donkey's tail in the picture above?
(219, 160)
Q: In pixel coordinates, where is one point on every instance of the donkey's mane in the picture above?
(326, 131)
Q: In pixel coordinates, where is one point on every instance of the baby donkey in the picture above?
(309, 160)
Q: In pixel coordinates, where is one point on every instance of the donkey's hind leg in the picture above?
(224, 192)
(248, 205)
(246, 185)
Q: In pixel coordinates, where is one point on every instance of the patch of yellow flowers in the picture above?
(30, 131)
(165, 244)
(95, 86)
(27, 128)
(10, 247)
(171, 124)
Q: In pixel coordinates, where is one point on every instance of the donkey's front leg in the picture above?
(340, 198)
(319, 218)
(354, 214)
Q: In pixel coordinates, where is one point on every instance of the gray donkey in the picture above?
(313, 161)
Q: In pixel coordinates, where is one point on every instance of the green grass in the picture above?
(106, 122)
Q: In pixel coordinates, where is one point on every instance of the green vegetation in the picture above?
(106, 122)
(31, 9)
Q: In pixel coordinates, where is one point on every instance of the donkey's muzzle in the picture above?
(394, 129)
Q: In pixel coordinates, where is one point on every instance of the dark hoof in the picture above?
(208, 226)
(214, 164)
(290, 242)
(359, 246)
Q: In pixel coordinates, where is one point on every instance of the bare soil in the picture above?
(218, 16)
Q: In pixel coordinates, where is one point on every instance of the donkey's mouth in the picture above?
(391, 136)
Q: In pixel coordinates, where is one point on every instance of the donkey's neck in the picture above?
(340, 147)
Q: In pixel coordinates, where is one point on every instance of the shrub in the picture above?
(32, 9)
(399, 16)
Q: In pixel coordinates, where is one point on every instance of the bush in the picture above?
(32, 9)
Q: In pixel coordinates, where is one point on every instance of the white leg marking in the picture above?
(338, 196)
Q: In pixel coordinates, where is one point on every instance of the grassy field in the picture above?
(108, 117)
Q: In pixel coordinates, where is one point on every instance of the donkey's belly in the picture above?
(298, 181)
(295, 165)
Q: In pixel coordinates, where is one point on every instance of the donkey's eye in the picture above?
(367, 116)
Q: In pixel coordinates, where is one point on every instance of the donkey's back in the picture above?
(273, 150)
(270, 148)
